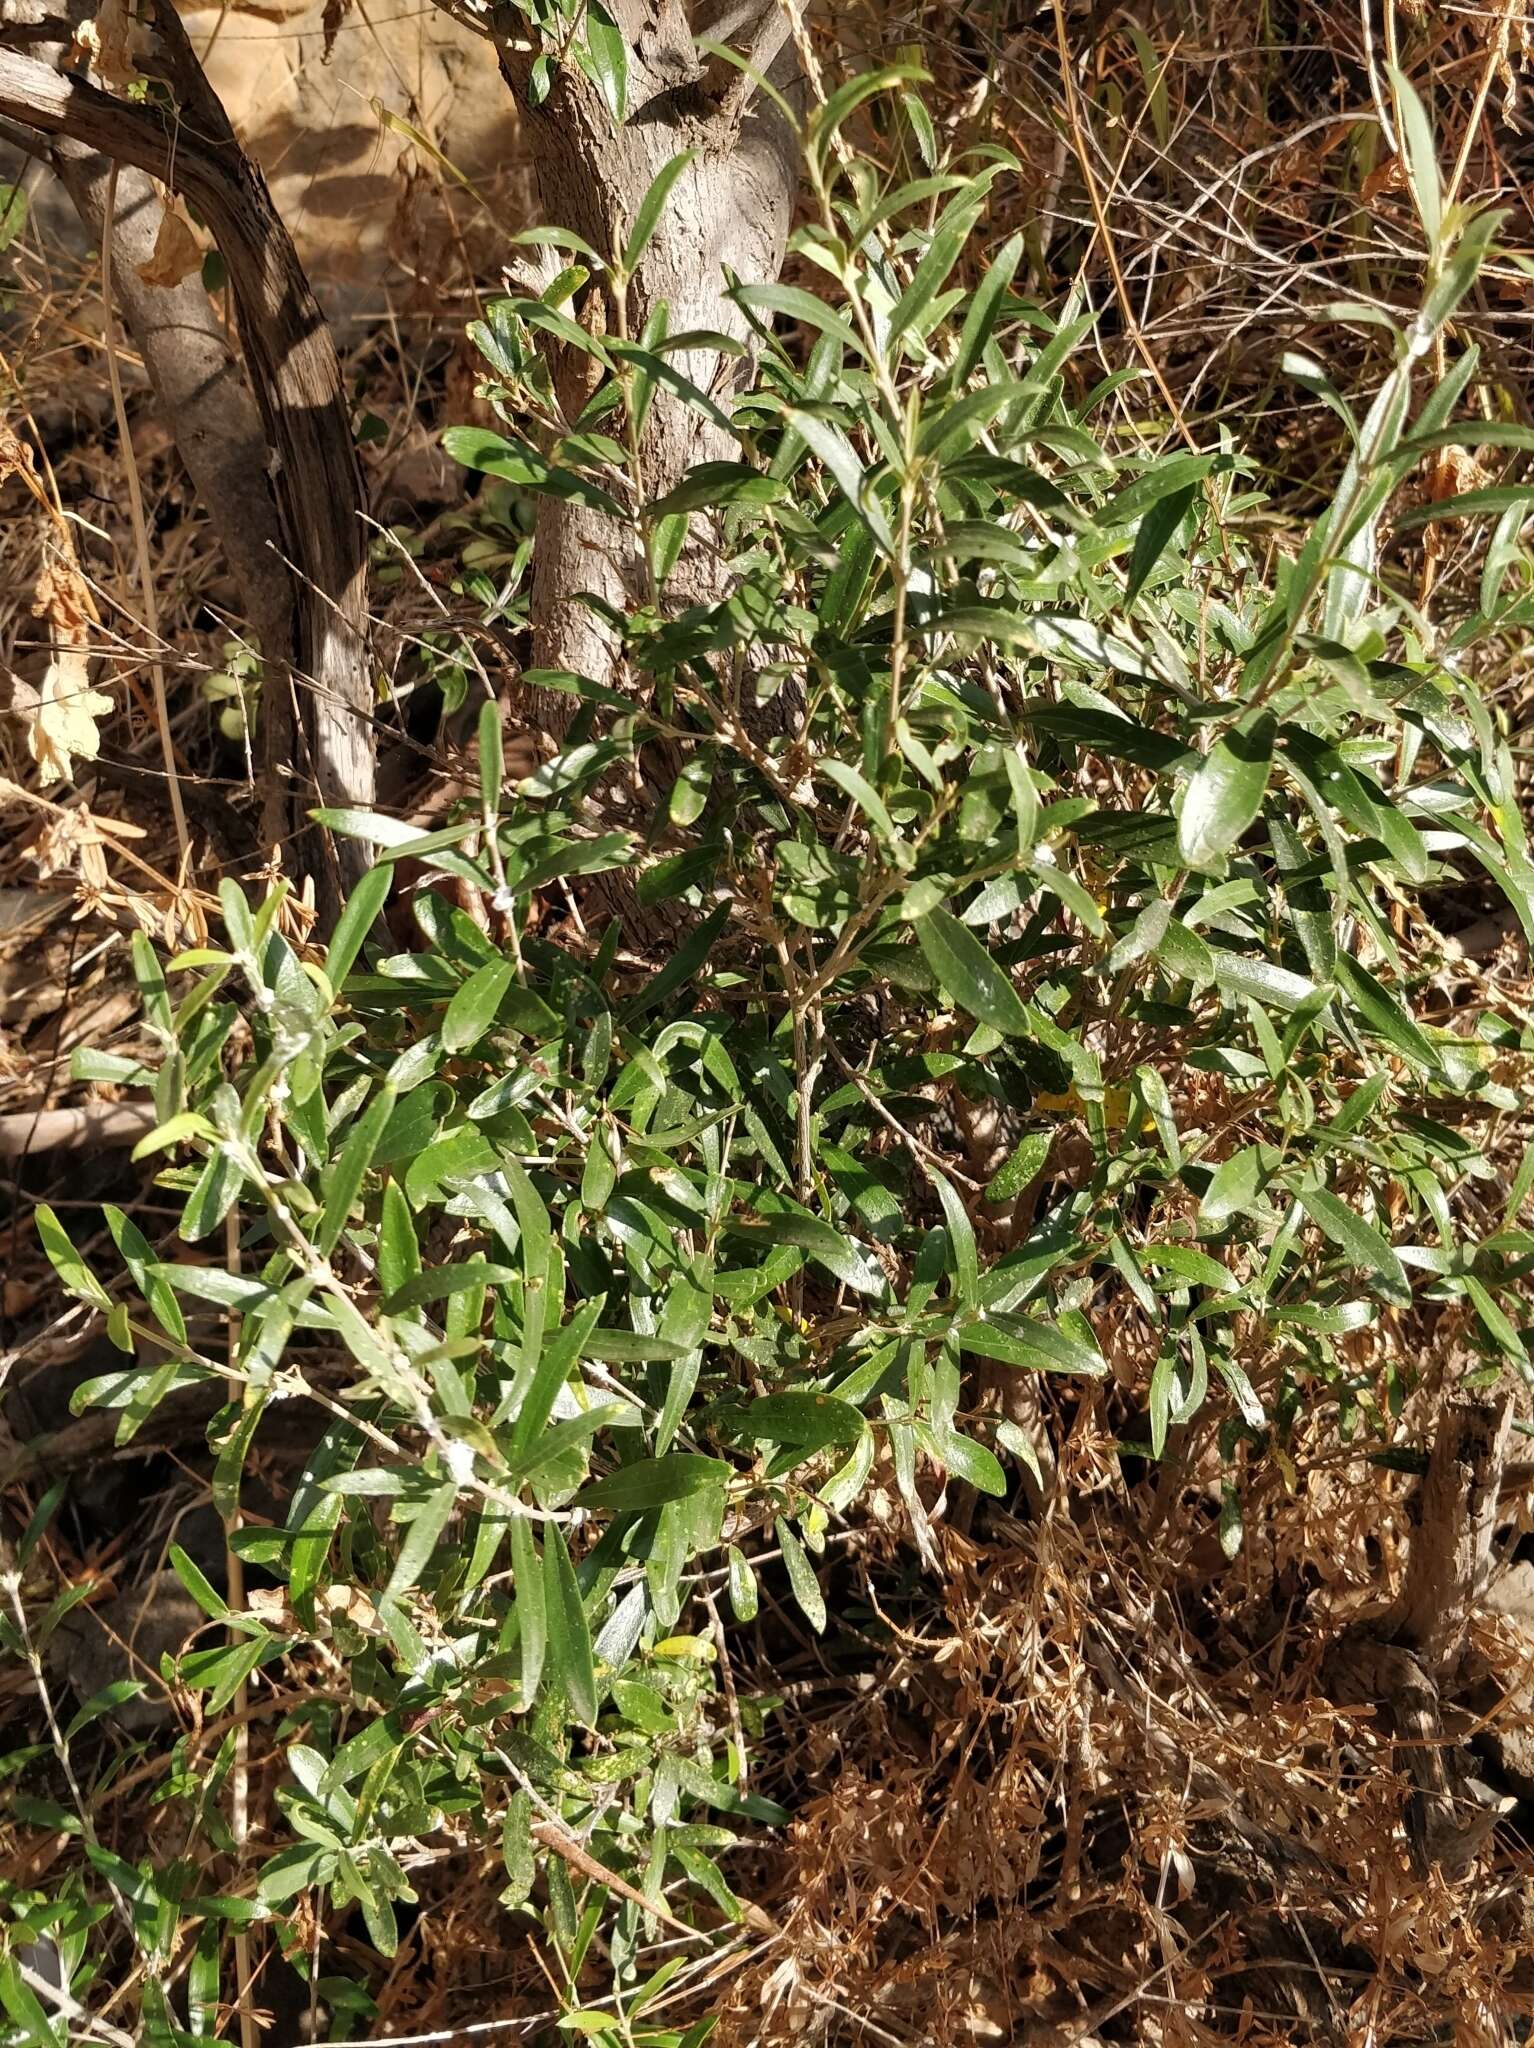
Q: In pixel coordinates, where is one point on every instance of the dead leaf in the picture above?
(16, 460)
(112, 40)
(64, 727)
(177, 251)
(71, 837)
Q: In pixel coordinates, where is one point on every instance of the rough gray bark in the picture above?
(728, 213)
(1454, 1519)
(1405, 1665)
(311, 472)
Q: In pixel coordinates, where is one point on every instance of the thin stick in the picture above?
(239, 1776)
(88, 1123)
(140, 530)
(1494, 49)
(1099, 214)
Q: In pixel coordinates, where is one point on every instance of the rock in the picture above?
(321, 129)
(1512, 1593)
(327, 134)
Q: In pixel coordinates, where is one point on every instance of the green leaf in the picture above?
(1484, 504)
(399, 1255)
(554, 1367)
(964, 967)
(1189, 1266)
(439, 1283)
(346, 1176)
(807, 1421)
(355, 922)
(708, 486)
(212, 1197)
(13, 213)
(472, 1010)
(1420, 155)
(802, 1581)
(139, 1257)
(1155, 533)
(794, 303)
(66, 1261)
(603, 55)
(985, 307)
(519, 463)
(1381, 1014)
(1237, 1184)
(1360, 1242)
(1493, 1320)
(682, 965)
(420, 1540)
(529, 1582)
(1027, 1162)
(647, 216)
(654, 1483)
(569, 1638)
(972, 1462)
(836, 453)
(1260, 981)
(781, 1222)
(932, 271)
(1019, 1340)
(1226, 792)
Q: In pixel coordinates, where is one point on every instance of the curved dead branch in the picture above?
(314, 478)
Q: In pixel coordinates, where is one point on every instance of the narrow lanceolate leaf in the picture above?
(1358, 1241)
(1226, 792)
(139, 1256)
(355, 922)
(1381, 1014)
(346, 1176)
(964, 967)
(807, 1421)
(1036, 1347)
(836, 453)
(1026, 1164)
(531, 1606)
(421, 1540)
(961, 1241)
(1237, 1184)
(569, 1643)
(801, 1578)
(551, 1372)
(656, 1482)
(1494, 1321)
(604, 59)
(1156, 529)
(779, 1221)
(651, 207)
(472, 1010)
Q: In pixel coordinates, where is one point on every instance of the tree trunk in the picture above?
(727, 215)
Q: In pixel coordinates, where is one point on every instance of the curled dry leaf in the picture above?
(63, 726)
(58, 715)
(16, 460)
(177, 252)
(112, 41)
(70, 840)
